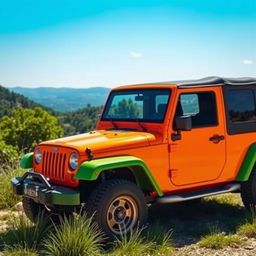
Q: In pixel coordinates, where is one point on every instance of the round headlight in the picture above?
(73, 161)
(38, 156)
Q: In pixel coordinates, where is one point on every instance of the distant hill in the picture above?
(72, 122)
(10, 100)
(65, 99)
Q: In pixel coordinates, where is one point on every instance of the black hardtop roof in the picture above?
(212, 80)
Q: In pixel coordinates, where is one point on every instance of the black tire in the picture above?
(248, 191)
(33, 209)
(117, 206)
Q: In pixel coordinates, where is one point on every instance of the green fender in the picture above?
(90, 170)
(26, 161)
(248, 164)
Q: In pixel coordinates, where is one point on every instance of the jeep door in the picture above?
(199, 154)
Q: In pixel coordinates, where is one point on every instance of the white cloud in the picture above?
(248, 62)
(136, 54)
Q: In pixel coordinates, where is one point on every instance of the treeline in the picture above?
(22, 130)
(11, 100)
(23, 124)
(79, 121)
(74, 122)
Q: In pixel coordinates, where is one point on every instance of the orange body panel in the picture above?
(191, 162)
(194, 158)
(238, 146)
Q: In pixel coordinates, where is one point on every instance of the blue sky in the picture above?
(73, 43)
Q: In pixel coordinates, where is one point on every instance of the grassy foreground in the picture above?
(213, 223)
(7, 198)
(78, 236)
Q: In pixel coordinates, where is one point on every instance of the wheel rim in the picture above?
(122, 215)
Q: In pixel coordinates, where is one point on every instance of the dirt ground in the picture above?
(190, 221)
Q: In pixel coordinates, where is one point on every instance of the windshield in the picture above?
(145, 105)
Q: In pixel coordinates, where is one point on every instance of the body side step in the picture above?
(198, 194)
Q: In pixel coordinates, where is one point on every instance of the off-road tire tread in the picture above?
(97, 195)
(31, 208)
(248, 191)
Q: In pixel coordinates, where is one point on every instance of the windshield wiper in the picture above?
(141, 126)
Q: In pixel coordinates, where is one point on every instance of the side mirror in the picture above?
(183, 123)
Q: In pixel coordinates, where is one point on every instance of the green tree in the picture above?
(125, 109)
(27, 127)
(10, 100)
(8, 156)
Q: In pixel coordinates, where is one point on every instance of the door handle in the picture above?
(216, 138)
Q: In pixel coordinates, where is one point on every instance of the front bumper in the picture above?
(35, 186)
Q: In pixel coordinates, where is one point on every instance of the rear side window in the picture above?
(241, 106)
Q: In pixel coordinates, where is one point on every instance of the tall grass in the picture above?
(153, 241)
(73, 237)
(24, 234)
(131, 244)
(19, 251)
(220, 240)
(161, 239)
(77, 236)
(7, 198)
(248, 229)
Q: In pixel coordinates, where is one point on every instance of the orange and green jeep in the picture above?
(154, 143)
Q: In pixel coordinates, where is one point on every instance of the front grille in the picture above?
(54, 165)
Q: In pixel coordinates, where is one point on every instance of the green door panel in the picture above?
(248, 164)
(26, 161)
(90, 170)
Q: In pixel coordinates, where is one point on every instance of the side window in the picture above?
(200, 106)
(241, 106)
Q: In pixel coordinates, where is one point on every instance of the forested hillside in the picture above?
(11, 100)
(24, 123)
(73, 122)
(79, 121)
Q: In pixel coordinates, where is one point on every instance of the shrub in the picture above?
(7, 198)
(74, 236)
(161, 239)
(8, 156)
(27, 127)
(24, 234)
(131, 245)
(19, 251)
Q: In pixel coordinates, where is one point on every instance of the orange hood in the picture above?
(104, 141)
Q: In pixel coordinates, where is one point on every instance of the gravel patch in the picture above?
(194, 250)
